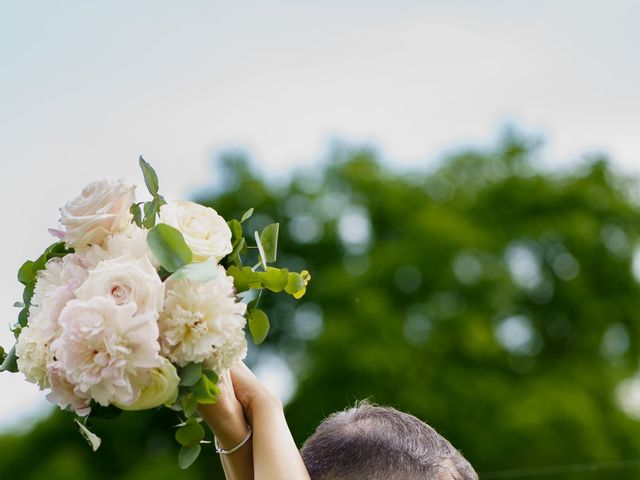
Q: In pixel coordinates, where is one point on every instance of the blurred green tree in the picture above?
(492, 298)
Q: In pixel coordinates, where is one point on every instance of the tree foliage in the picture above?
(492, 298)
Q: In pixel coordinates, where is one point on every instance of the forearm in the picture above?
(229, 431)
(275, 454)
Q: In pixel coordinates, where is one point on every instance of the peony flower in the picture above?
(206, 233)
(101, 209)
(64, 394)
(161, 387)
(55, 286)
(125, 281)
(33, 352)
(104, 347)
(202, 322)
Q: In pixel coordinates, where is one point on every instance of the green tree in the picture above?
(492, 298)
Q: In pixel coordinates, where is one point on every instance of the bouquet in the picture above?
(137, 306)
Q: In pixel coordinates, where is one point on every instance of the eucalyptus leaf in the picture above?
(191, 433)
(150, 176)
(258, 325)
(263, 255)
(269, 241)
(198, 271)
(137, 214)
(190, 374)
(211, 375)
(168, 247)
(205, 391)
(89, 436)
(150, 211)
(10, 364)
(19, 305)
(234, 256)
(246, 215)
(274, 279)
(188, 455)
(189, 405)
(236, 229)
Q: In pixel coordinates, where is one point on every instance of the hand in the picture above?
(227, 421)
(251, 393)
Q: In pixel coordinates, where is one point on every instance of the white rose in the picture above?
(206, 233)
(104, 348)
(101, 209)
(125, 281)
(202, 322)
(130, 244)
(159, 387)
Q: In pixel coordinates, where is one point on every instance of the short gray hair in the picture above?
(369, 442)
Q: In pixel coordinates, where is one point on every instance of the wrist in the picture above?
(264, 402)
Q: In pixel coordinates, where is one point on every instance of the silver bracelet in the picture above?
(222, 451)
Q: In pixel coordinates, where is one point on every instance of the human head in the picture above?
(368, 442)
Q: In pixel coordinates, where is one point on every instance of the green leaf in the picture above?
(27, 274)
(188, 455)
(150, 211)
(189, 405)
(211, 375)
(150, 176)
(269, 241)
(89, 436)
(191, 433)
(137, 214)
(23, 317)
(27, 294)
(236, 229)
(258, 325)
(205, 391)
(297, 283)
(234, 256)
(168, 246)
(10, 364)
(246, 215)
(274, 279)
(3, 355)
(190, 374)
(241, 278)
(199, 271)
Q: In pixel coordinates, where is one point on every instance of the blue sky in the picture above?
(87, 86)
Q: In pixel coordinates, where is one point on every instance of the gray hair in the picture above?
(369, 442)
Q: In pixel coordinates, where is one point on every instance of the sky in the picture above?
(87, 86)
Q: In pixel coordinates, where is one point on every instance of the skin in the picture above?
(271, 453)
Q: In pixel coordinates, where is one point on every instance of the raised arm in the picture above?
(270, 453)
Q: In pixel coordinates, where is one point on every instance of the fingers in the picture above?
(248, 389)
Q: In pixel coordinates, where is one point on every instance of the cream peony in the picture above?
(104, 347)
(206, 232)
(33, 352)
(202, 322)
(101, 209)
(161, 387)
(125, 281)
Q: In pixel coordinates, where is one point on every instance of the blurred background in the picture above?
(460, 178)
